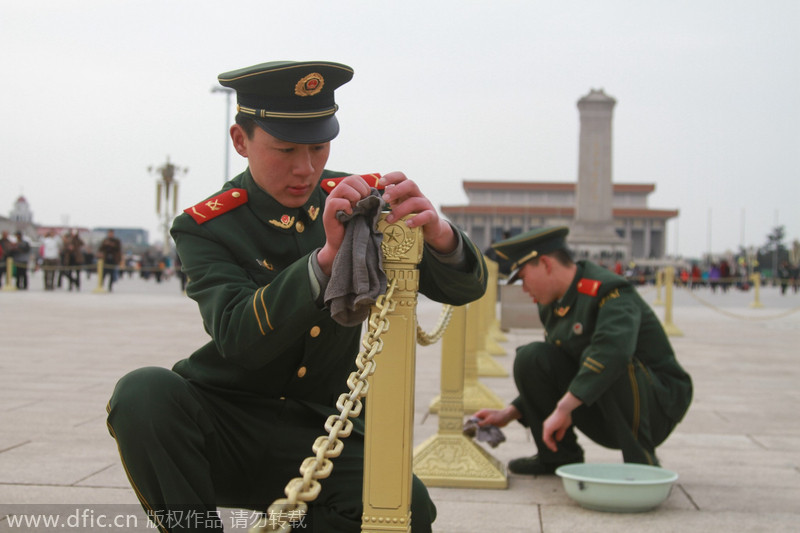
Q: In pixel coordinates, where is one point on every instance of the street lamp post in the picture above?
(166, 188)
(228, 91)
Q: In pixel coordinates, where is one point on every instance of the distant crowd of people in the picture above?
(62, 258)
(718, 275)
(723, 276)
(20, 250)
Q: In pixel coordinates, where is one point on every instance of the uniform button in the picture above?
(315, 331)
(300, 227)
(558, 342)
(331, 184)
(301, 372)
(236, 195)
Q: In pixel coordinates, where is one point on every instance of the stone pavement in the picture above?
(737, 452)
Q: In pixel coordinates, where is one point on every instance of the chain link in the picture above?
(299, 491)
(426, 339)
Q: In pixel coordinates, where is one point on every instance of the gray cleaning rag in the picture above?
(490, 433)
(357, 276)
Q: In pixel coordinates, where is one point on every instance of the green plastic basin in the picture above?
(619, 488)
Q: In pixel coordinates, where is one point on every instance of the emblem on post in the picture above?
(397, 241)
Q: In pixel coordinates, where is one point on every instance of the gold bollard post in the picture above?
(485, 310)
(476, 394)
(389, 434)
(99, 288)
(756, 279)
(450, 459)
(9, 274)
(669, 282)
(487, 366)
(659, 283)
(493, 332)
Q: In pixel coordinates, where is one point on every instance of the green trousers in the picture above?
(627, 417)
(188, 450)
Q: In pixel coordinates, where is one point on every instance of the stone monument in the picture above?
(592, 231)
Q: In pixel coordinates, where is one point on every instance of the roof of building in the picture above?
(644, 188)
(564, 211)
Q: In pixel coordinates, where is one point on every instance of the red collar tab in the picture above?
(588, 286)
(372, 180)
(217, 205)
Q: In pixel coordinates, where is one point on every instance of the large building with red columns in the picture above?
(497, 208)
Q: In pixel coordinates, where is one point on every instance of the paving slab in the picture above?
(737, 452)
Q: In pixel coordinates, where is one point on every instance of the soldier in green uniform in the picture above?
(230, 425)
(606, 366)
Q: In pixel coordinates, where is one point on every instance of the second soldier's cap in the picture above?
(521, 248)
(290, 100)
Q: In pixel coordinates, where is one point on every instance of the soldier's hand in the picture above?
(559, 421)
(405, 198)
(497, 417)
(343, 197)
(554, 428)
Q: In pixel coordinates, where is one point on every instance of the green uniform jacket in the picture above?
(248, 270)
(604, 325)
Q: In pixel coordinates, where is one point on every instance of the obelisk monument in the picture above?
(592, 229)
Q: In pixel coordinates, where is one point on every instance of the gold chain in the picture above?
(299, 491)
(426, 339)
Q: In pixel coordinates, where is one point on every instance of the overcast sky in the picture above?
(96, 91)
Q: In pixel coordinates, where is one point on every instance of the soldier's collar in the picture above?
(268, 209)
(568, 300)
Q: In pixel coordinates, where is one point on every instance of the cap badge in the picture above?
(309, 85)
(285, 222)
(313, 212)
(561, 311)
(577, 328)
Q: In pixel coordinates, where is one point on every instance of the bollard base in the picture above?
(489, 367)
(493, 348)
(672, 330)
(493, 337)
(496, 332)
(453, 460)
(476, 396)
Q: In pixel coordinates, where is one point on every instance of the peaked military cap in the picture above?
(521, 248)
(290, 100)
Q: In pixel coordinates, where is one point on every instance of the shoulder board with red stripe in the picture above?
(588, 286)
(217, 205)
(372, 180)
